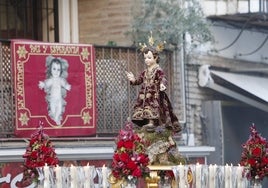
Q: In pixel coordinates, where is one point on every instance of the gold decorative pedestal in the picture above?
(153, 180)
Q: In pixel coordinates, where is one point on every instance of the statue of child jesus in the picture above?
(152, 107)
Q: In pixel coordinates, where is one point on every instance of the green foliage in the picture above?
(111, 43)
(169, 20)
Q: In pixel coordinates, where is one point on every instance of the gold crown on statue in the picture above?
(159, 47)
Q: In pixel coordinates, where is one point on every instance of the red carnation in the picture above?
(116, 157)
(120, 144)
(265, 160)
(34, 154)
(256, 152)
(131, 165)
(128, 145)
(137, 172)
(251, 162)
(143, 158)
(124, 157)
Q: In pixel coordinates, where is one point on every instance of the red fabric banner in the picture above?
(54, 86)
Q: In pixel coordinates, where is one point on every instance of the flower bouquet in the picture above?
(130, 160)
(39, 153)
(255, 156)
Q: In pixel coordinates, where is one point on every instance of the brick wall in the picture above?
(101, 21)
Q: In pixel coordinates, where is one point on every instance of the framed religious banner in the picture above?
(54, 87)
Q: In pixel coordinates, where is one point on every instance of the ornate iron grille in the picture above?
(6, 94)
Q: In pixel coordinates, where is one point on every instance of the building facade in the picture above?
(205, 113)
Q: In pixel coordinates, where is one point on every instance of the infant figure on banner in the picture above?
(55, 85)
(152, 107)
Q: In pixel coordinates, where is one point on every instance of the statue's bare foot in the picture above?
(149, 127)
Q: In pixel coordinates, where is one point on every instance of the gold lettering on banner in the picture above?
(35, 48)
(58, 49)
(88, 86)
(20, 79)
(44, 48)
(20, 103)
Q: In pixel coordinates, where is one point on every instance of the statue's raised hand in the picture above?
(130, 76)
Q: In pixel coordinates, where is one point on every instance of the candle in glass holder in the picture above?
(231, 176)
(87, 176)
(198, 175)
(227, 174)
(73, 172)
(104, 176)
(58, 177)
(181, 176)
(239, 176)
(46, 175)
(212, 176)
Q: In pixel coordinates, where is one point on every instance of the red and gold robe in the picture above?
(151, 103)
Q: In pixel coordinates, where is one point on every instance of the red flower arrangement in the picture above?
(38, 153)
(255, 156)
(130, 159)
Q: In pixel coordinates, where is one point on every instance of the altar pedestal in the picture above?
(154, 180)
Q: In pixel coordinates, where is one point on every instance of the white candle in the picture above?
(198, 175)
(210, 176)
(104, 176)
(87, 176)
(227, 176)
(231, 176)
(239, 176)
(212, 173)
(58, 177)
(46, 175)
(215, 167)
(73, 176)
(181, 176)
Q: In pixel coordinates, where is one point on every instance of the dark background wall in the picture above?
(236, 128)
